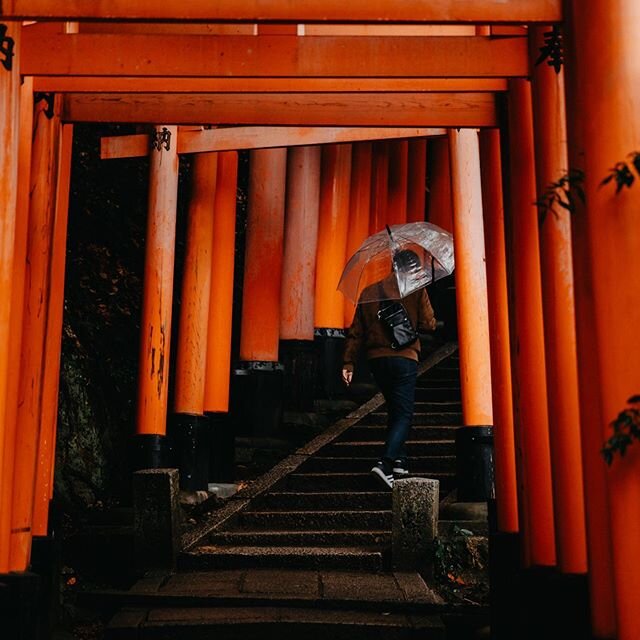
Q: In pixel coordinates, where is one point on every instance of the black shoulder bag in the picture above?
(398, 325)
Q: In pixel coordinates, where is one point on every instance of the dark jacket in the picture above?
(368, 331)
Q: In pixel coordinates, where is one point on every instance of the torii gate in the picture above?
(605, 230)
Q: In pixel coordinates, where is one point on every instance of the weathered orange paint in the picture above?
(12, 226)
(439, 208)
(155, 325)
(599, 547)
(379, 187)
(275, 55)
(397, 182)
(416, 188)
(260, 330)
(376, 11)
(335, 183)
(44, 169)
(300, 243)
(53, 340)
(556, 262)
(503, 434)
(297, 109)
(216, 393)
(528, 362)
(471, 278)
(606, 37)
(196, 287)
(359, 208)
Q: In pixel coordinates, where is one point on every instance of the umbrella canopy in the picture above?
(391, 264)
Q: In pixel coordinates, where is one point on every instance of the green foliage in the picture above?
(624, 172)
(562, 193)
(626, 429)
(448, 559)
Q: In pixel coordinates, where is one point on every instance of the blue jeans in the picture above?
(396, 378)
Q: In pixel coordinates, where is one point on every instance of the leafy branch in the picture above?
(626, 429)
(562, 193)
(622, 172)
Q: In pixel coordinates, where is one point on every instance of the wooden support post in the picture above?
(550, 135)
(416, 187)
(216, 394)
(155, 326)
(471, 278)
(10, 127)
(300, 244)
(599, 547)
(44, 170)
(379, 187)
(439, 209)
(332, 235)
(359, 208)
(504, 441)
(605, 36)
(53, 339)
(196, 287)
(398, 179)
(260, 330)
(529, 377)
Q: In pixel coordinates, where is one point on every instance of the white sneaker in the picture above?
(383, 473)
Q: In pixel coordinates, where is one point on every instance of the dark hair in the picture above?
(406, 259)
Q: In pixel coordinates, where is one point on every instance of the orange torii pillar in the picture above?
(359, 208)
(257, 392)
(44, 170)
(556, 262)
(416, 186)
(335, 184)
(189, 426)
(379, 187)
(298, 276)
(10, 124)
(16, 314)
(605, 36)
(53, 340)
(528, 362)
(601, 584)
(440, 213)
(218, 351)
(397, 182)
(155, 325)
(474, 469)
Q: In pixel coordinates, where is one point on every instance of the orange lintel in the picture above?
(107, 84)
(231, 138)
(412, 11)
(333, 109)
(273, 56)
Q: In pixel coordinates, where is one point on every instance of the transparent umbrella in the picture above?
(393, 263)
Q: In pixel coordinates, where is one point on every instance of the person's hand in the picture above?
(347, 375)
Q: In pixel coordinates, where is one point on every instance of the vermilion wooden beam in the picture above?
(272, 56)
(333, 109)
(208, 140)
(412, 11)
(106, 84)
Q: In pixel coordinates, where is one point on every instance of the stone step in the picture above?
(444, 394)
(304, 520)
(317, 501)
(377, 432)
(373, 448)
(223, 557)
(428, 407)
(353, 481)
(310, 538)
(418, 464)
(423, 419)
(264, 623)
(427, 382)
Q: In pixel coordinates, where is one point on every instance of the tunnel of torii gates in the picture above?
(347, 109)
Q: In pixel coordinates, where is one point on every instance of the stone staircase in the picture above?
(305, 550)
